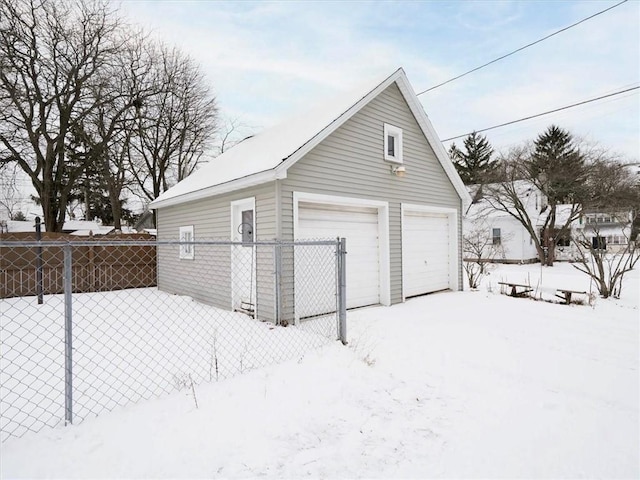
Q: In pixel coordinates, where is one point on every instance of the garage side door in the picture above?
(425, 252)
(360, 227)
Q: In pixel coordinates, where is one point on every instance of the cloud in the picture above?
(267, 59)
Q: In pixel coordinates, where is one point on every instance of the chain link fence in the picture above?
(88, 326)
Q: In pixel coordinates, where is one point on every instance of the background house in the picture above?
(509, 241)
(566, 250)
(609, 230)
(73, 227)
(145, 222)
(367, 166)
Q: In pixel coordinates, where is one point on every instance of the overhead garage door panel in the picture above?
(360, 227)
(425, 252)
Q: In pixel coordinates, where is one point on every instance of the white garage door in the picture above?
(425, 252)
(360, 227)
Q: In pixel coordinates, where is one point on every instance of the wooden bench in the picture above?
(517, 289)
(567, 294)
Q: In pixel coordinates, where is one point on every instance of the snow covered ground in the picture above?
(453, 385)
(128, 345)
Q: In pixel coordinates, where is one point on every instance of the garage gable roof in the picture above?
(267, 156)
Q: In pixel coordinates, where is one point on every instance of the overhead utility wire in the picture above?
(522, 48)
(544, 113)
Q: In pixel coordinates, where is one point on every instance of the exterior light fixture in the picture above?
(399, 171)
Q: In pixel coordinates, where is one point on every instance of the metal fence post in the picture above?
(278, 272)
(342, 290)
(68, 338)
(39, 286)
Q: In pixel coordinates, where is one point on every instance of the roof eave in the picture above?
(227, 187)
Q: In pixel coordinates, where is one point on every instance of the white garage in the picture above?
(428, 259)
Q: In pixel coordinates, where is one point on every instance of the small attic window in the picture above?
(392, 143)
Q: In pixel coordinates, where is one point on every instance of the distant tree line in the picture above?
(92, 108)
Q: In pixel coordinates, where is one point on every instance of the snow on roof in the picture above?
(482, 208)
(564, 212)
(18, 226)
(266, 156)
(75, 225)
(529, 195)
(267, 149)
(98, 230)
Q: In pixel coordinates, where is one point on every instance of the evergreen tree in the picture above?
(558, 167)
(474, 164)
(92, 193)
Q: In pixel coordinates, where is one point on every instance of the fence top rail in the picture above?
(156, 243)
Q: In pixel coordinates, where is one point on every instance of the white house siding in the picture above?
(207, 278)
(621, 230)
(350, 162)
(516, 241)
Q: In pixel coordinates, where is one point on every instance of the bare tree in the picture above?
(612, 188)
(174, 127)
(570, 181)
(606, 243)
(513, 197)
(104, 137)
(556, 168)
(51, 57)
(232, 132)
(11, 197)
(595, 258)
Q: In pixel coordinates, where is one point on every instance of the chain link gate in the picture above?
(88, 326)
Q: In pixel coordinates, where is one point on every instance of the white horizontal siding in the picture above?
(207, 277)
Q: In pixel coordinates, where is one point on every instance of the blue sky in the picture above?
(267, 60)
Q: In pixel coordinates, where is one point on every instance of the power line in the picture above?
(545, 113)
(522, 48)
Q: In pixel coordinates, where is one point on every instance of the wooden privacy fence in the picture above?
(95, 267)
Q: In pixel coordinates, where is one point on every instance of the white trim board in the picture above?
(219, 189)
(235, 208)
